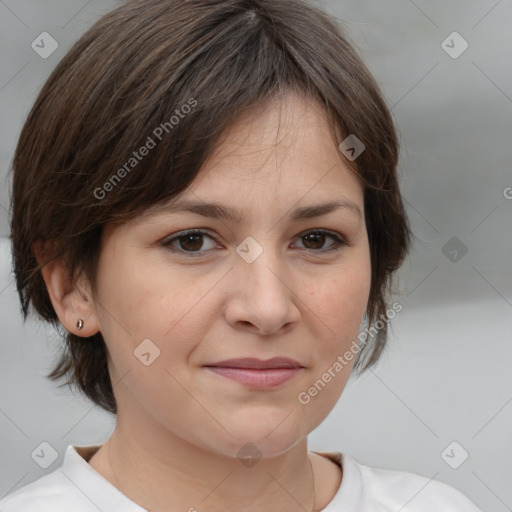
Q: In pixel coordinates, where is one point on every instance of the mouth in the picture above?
(257, 373)
(252, 363)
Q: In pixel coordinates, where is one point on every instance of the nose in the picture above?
(262, 298)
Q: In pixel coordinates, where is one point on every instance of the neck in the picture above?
(161, 472)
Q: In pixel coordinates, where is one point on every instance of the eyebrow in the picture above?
(217, 211)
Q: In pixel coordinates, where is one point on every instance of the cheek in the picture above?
(337, 309)
(149, 300)
(341, 300)
(134, 291)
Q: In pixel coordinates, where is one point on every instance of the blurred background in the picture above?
(439, 403)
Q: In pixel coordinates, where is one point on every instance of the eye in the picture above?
(190, 242)
(315, 239)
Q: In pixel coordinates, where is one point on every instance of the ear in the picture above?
(71, 301)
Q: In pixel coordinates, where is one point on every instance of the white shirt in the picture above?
(78, 487)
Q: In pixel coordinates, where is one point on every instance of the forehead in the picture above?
(278, 159)
(283, 145)
(293, 122)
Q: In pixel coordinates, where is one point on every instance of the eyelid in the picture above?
(340, 240)
(167, 241)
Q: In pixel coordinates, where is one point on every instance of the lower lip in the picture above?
(258, 379)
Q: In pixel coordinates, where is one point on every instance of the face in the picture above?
(261, 285)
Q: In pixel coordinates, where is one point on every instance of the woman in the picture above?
(205, 197)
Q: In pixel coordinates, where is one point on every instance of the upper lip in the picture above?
(254, 363)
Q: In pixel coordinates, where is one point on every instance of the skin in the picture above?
(180, 426)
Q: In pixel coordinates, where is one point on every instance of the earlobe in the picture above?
(74, 307)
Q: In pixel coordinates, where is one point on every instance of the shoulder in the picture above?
(69, 487)
(52, 492)
(406, 491)
(74, 486)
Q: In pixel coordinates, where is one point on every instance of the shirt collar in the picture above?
(110, 499)
(97, 489)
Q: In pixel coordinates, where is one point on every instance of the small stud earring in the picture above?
(79, 324)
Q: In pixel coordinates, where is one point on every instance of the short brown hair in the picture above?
(131, 72)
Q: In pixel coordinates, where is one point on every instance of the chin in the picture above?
(260, 439)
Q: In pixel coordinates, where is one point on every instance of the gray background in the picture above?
(445, 376)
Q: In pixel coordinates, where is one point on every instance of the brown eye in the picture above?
(189, 242)
(315, 240)
(192, 243)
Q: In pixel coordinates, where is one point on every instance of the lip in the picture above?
(257, 364)
(257, 373)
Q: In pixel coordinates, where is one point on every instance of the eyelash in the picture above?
(339, 241)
